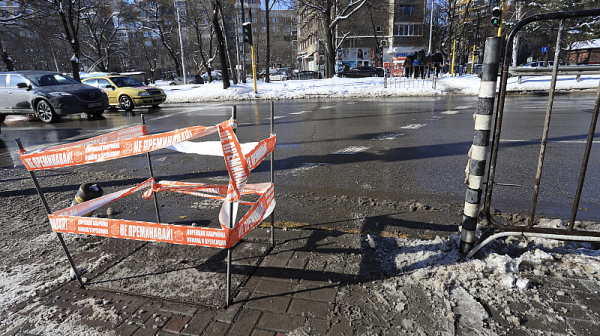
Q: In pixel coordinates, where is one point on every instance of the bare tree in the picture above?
(330, 13)
(102, 24)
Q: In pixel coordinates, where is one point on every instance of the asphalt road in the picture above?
(391, 166)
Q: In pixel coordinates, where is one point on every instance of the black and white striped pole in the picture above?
(481, 142)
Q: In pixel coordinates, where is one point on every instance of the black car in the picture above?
(48, 95)
(306, 75)
(362, 71)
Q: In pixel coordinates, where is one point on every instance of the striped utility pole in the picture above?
(481, 142)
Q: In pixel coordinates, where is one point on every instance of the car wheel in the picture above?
(126, 103)
(45, 112)
(2, 117)
(343, 76)
(375, 75)
(171, 83)
(192, 82)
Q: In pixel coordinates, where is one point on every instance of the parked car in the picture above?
(279, 75)
(48, 95)
(127, 93)
(363, 71)
(216, 75)
(191, 79)
(306, 75)
(537, 64)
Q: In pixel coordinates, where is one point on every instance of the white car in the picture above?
(279, 76)
(538, 64)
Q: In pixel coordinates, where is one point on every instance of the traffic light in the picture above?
(247, 32)
(496, 15)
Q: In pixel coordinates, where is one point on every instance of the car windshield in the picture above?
(125, 81)
(50, 79)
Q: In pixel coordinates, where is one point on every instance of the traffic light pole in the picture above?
(501, 18)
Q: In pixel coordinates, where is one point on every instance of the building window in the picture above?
(378, 29)
(148, 43)
(408, 30)
(2, 3)
(406, 10)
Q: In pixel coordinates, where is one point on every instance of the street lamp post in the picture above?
(430, 27)
(181, 45)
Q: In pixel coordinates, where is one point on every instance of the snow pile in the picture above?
(360, 87)
(319, 88)
(456, 287)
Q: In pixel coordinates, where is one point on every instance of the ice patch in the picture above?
(387, 136)
(305, 167)
(352, 150)
(413, 126)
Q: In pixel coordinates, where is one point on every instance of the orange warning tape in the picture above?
(70, 220)
(96, 152)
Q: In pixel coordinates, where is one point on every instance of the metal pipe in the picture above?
(586, 157)
(272, 131)
(58, 234)
(538, 176)
(530, 234)
(155, 195)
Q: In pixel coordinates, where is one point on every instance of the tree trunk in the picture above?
(220, 45)
(226, 44)
(7, 60)
(330, 40)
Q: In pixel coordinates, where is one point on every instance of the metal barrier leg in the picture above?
(481, 141)
(586, 157)
(154, 195)
(58, 234)
(538, 176)
(273, 173)
(230, 224)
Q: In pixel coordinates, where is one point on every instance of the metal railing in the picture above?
(569, 70)
(570, 233)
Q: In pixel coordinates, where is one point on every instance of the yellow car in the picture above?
(125, 92)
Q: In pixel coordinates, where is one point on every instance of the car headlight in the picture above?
(60, 94)
(144, 93)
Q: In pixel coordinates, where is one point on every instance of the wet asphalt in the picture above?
(393, 165)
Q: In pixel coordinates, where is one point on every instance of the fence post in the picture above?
(481, 140)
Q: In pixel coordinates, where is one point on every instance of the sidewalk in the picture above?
(331, 283)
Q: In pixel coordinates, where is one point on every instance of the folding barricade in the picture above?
(136, 140)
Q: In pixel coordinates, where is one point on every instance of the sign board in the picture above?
(544, 49)
(529, 59)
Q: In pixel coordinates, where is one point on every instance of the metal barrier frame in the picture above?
(529, 228)
(229, 293)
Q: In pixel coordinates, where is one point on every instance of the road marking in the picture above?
(307, 226)
(462, 107)
(277, 117)
(352, 150)
(413, 126)
(387, 136)
(326, 107)
(301, 112)
(450, 112)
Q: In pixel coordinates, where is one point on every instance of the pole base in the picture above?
(464, 247)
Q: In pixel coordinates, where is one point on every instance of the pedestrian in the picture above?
(460, 70)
